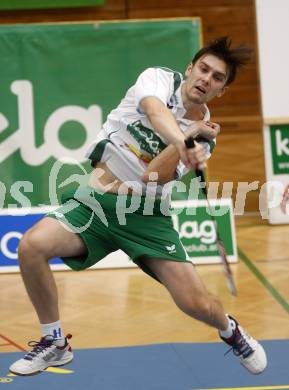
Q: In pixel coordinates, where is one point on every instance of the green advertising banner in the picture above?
(36, 4)
(276, 148)
(58, 83)
(279, 135)
(194, 222)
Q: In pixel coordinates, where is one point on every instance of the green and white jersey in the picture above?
(127, 141)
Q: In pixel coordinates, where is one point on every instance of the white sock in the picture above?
(54, 329)
(227, 333)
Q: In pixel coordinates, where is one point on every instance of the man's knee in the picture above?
(31, 245)
(199, 308)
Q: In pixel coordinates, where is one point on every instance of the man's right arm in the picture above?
(152, 91)
(162, 119)
(165, 124)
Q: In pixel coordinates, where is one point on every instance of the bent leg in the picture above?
(188, 291)
(190, 294)
(47, 239)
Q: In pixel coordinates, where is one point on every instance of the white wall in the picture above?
(273, 41)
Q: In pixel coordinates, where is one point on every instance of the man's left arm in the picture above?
(165, 164)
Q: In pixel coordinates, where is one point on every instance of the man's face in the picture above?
(205, 80)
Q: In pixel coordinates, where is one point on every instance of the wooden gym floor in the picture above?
(104, 308)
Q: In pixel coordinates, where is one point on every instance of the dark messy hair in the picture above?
(234, 58)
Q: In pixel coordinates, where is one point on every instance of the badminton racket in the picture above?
(190, 143)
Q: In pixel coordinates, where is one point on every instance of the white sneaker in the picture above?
(45, 353)
(249, 351)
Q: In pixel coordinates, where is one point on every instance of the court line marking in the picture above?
(272, 260)
(272, 290)
(11, 342)
(54, 370)
(252, 388)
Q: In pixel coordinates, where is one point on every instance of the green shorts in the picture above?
(108, 222)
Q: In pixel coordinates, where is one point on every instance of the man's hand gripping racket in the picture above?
(189, 142)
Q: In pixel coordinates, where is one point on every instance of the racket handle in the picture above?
(190, 143)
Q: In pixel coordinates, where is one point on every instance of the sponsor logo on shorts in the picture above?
(171, 249)
(57, 214)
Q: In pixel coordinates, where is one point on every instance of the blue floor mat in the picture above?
(155, 367)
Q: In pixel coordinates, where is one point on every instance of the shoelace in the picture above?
(240, 346)
(38, 347)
